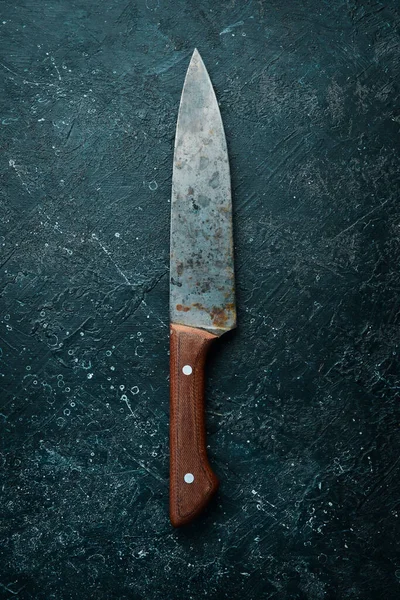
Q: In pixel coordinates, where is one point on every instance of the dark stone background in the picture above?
(302, 403)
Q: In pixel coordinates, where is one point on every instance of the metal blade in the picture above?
(202, 286)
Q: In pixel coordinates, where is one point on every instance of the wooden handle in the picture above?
(192, 482)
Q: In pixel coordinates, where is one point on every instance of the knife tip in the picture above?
(196, 61)
(196, 54)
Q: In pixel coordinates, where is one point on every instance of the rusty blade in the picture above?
(202, 286)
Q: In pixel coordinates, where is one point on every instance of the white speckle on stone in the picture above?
(153, 185)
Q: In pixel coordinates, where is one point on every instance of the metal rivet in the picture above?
(187, 370)
(189, 478)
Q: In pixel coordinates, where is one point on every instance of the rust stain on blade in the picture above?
(180, 307)
(219, 315)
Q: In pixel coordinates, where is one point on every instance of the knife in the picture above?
(202, 285)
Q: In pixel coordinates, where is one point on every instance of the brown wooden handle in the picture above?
(192, 482)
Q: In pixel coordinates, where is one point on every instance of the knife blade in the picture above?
(202, 286)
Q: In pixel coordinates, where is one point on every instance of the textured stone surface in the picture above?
(302, 401)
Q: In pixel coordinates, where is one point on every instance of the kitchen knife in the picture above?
(202, 286)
